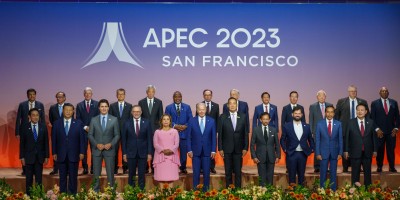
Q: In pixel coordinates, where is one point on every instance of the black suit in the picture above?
(54, 115)
(22, 114)
(232, 142)
(361, 148)
(214, 113)
(126, 114)
(33, 152)
(243, 107)
(385, 122)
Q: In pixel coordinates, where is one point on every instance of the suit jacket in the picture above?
(262, 150)
(182, 119)
(287, 114)
(243, 108)
(326, 145)
(233, 140)
(54, 114)
(155, 114)
(315, 115)
(68, 148)
(354, 140)
(110, 135)
(214, 112)
(342, 112)
(273, 113)
(133, 144)
(29, 149)
(22, 114)
(206, 141)
(289, 140)
(84, 116)
(385, 122)
(126, 113)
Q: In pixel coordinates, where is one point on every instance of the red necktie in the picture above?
(87, 107)
(362, 132)
(266, 109)
(330, 128)
(208, 108)
(386, 108)
(137, 127)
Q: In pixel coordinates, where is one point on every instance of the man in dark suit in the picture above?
(201, 144)
(68, 148)
(56, 112)
(265, 149)
(137, 143)
(152, 109)
(33, 148)
(271, 109)
(242, 106)
(181, 113)
(329, 146)
(385, 113)
(22, 114)
(233, 141)
(361, 144)
(316, 113)
(104, 136)
(121, 110)
(346, 110)
(212, 110)
(298, 144)
(85, 111)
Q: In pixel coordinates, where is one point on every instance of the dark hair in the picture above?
(68, 105)
(176, 92)
(265, 113)
(61, 93)
(296, 108)
(326, 108)
(204, 91)
(32, 110)
(232, 98)
(30, 90)
(264, 94)
(121, 89)
(362, 104)
(103, 101)
(170, 120)
(293, 92)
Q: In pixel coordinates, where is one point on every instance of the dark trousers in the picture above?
(183, 153)
(346, 163)
(30, 170)
(201, 162)
(356, 169)
(233, 163)
(212, 163)
(332, 171)
(117, 158)
(390, 143)
(70, 170)
(297, 166)
(140, 164)
(316, 161)
(266, 172)
(55, 166)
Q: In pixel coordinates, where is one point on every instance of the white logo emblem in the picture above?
(112, 39)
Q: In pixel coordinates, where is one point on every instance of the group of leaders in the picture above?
(145, 133)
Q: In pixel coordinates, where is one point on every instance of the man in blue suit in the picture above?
(181, 114)
(68, 148)
(137, 145)
(85, 111)
(329, 145)
(298, 144)
(385, 113)
(271, 109)
(201, 144)
(242, 106)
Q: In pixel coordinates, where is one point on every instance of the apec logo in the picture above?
(112, 39)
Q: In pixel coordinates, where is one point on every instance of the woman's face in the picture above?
(166, 121)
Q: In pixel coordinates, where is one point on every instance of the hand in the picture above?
(221, 153)
(46, 160)
(339, 157)
(149, 157)
(55, 157)
(319, 157)
(23, 162)
(183, 127)
(374, 154)
(212, 155)
(379, 133)
(255, 160)
(244, 152)
(394, 132)
(107, 146)
(81, 156)
(100, 147)
(49, 124)
(87, 129)
(277, 160)
(346, 155)
(125, 158)
(190, 154)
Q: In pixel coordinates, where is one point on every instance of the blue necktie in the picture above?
(120, 110)
(103, 124)
(352, 110)
(60, 110)
(202, 125)
(35, 135)
(66, 128)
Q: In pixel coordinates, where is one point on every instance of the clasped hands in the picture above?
(101, 147)
(180, 127)
(167, 152)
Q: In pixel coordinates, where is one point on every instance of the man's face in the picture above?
(31, 96)
(177, 97)
(232, 105)
(384, 93)
(136, 112)
(150, 93)
(235, 95)
(68, 112)
(201, 110)
(352, 92)
(361, 112)
(297, 115)
(120, 95)
(293, 98)
(103, 108)
(329, 113)
(34, 117)
(265, 99)
(321, 97)
(265, 120)
(60, 98)
(207, 96)
(88, 95)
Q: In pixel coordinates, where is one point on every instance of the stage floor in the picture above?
(249, 176)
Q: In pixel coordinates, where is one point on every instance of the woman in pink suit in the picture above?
(166, 161)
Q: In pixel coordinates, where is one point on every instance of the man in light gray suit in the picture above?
(265, 149)
(317, 112)
(103, 136)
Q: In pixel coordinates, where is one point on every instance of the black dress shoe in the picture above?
(53, 172)
(316, 170)
(184, 171)
(85, 171)
(125, 171)
(393, 170)
(212, 170)
(22, 173)
(379, 169)
(345, 171)
(91, 171)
